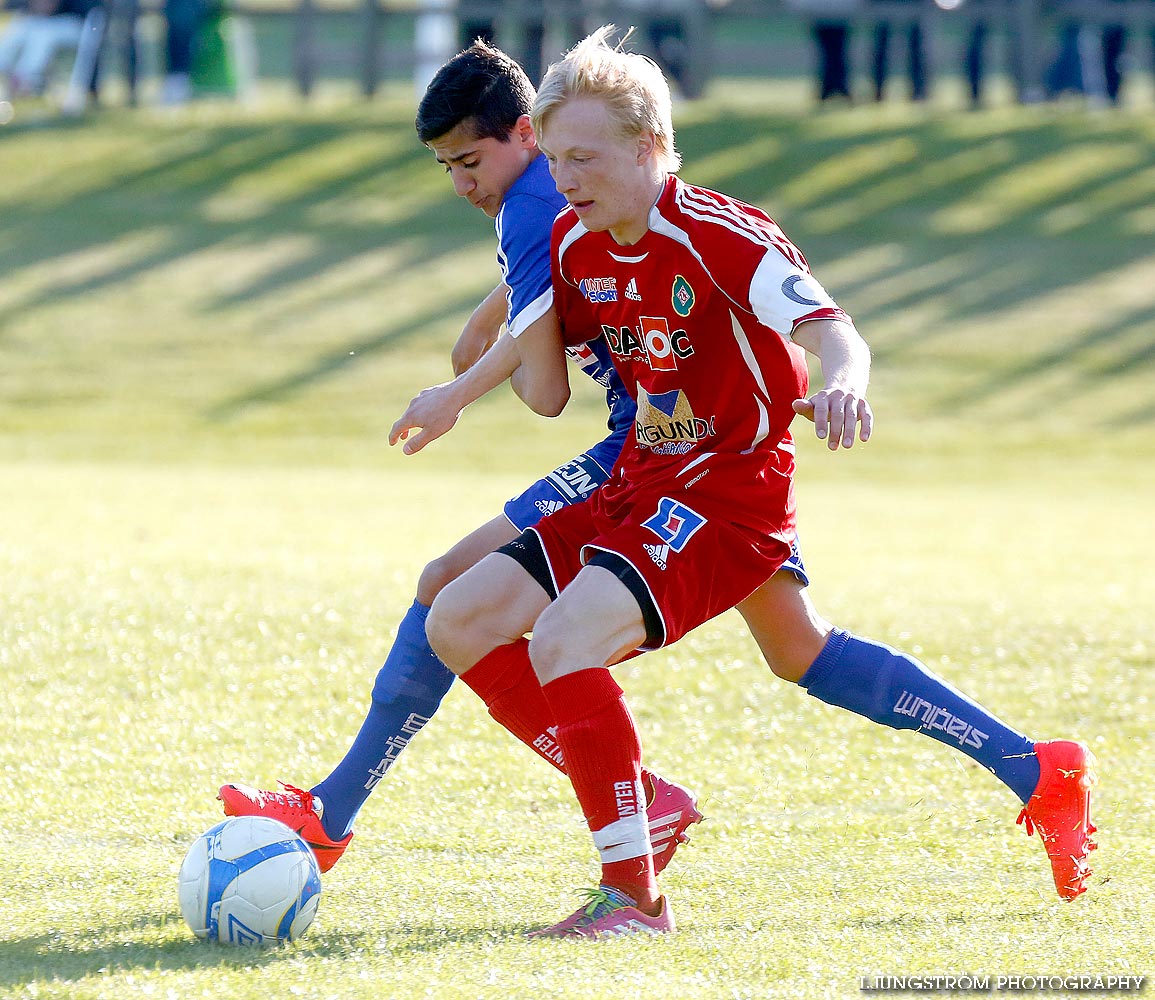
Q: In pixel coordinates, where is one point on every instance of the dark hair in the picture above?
(482, 83)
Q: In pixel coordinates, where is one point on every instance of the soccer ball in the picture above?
(249, 880)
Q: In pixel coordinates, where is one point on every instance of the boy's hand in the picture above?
(838, 416)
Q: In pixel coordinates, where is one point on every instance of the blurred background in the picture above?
(966, 52)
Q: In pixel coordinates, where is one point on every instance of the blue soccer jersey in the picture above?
(523, 230)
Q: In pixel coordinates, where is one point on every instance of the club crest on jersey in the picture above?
(675, 524)
(597, 290)
(666, 424)
(682, 296)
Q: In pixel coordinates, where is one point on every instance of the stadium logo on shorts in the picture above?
(599, 289)
(682, 296)
(674, 523)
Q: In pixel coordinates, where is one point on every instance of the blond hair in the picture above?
(630, 85)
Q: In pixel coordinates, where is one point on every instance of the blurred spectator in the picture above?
(1114, 49)
(472, 28)
(833, 39)
(183, 21)
(33, 38)
(1088, 62)
(1065, 74)
(974, 61)
(915, 54)
(663, 25)
(527, 48)
(830, 28)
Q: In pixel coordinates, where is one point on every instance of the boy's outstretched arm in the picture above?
(481, 330)
(534, 363)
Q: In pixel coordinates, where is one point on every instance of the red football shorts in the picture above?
(693, 558)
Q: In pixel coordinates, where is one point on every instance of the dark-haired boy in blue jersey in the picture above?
(475, 118)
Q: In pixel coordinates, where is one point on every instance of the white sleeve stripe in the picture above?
(758, 231)
(756, 236)
(531, 313)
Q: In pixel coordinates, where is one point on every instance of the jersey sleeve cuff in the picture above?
(833, 313)
(531, 313)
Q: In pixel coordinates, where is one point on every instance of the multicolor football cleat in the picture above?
(1060, 811)
(297, 809)
(670, 810)
(609, 912)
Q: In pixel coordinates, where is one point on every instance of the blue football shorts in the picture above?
(567, 484)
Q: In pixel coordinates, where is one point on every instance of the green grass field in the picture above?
(207, 325)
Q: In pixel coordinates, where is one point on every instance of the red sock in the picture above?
(505, 681)
(603, 757)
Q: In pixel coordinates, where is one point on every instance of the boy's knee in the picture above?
(441, 627)
(435, 577)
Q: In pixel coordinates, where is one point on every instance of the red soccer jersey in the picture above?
(698, 316)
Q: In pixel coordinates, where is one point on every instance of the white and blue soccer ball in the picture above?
(249, 880)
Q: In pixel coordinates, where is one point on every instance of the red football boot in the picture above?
(1060, 811)
(297, 809)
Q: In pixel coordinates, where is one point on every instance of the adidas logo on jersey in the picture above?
(632, 290)
(659, 553)
(548, 506)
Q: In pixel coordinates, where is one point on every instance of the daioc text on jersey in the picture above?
(653, 342)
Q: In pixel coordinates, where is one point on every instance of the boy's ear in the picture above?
(523, 131)
(647, 145)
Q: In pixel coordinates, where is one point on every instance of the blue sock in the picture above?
(894, 689)
(408, 690)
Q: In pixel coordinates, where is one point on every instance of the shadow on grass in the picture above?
(981, 212)
(171, 203)
(328, 365)
(72, 958)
